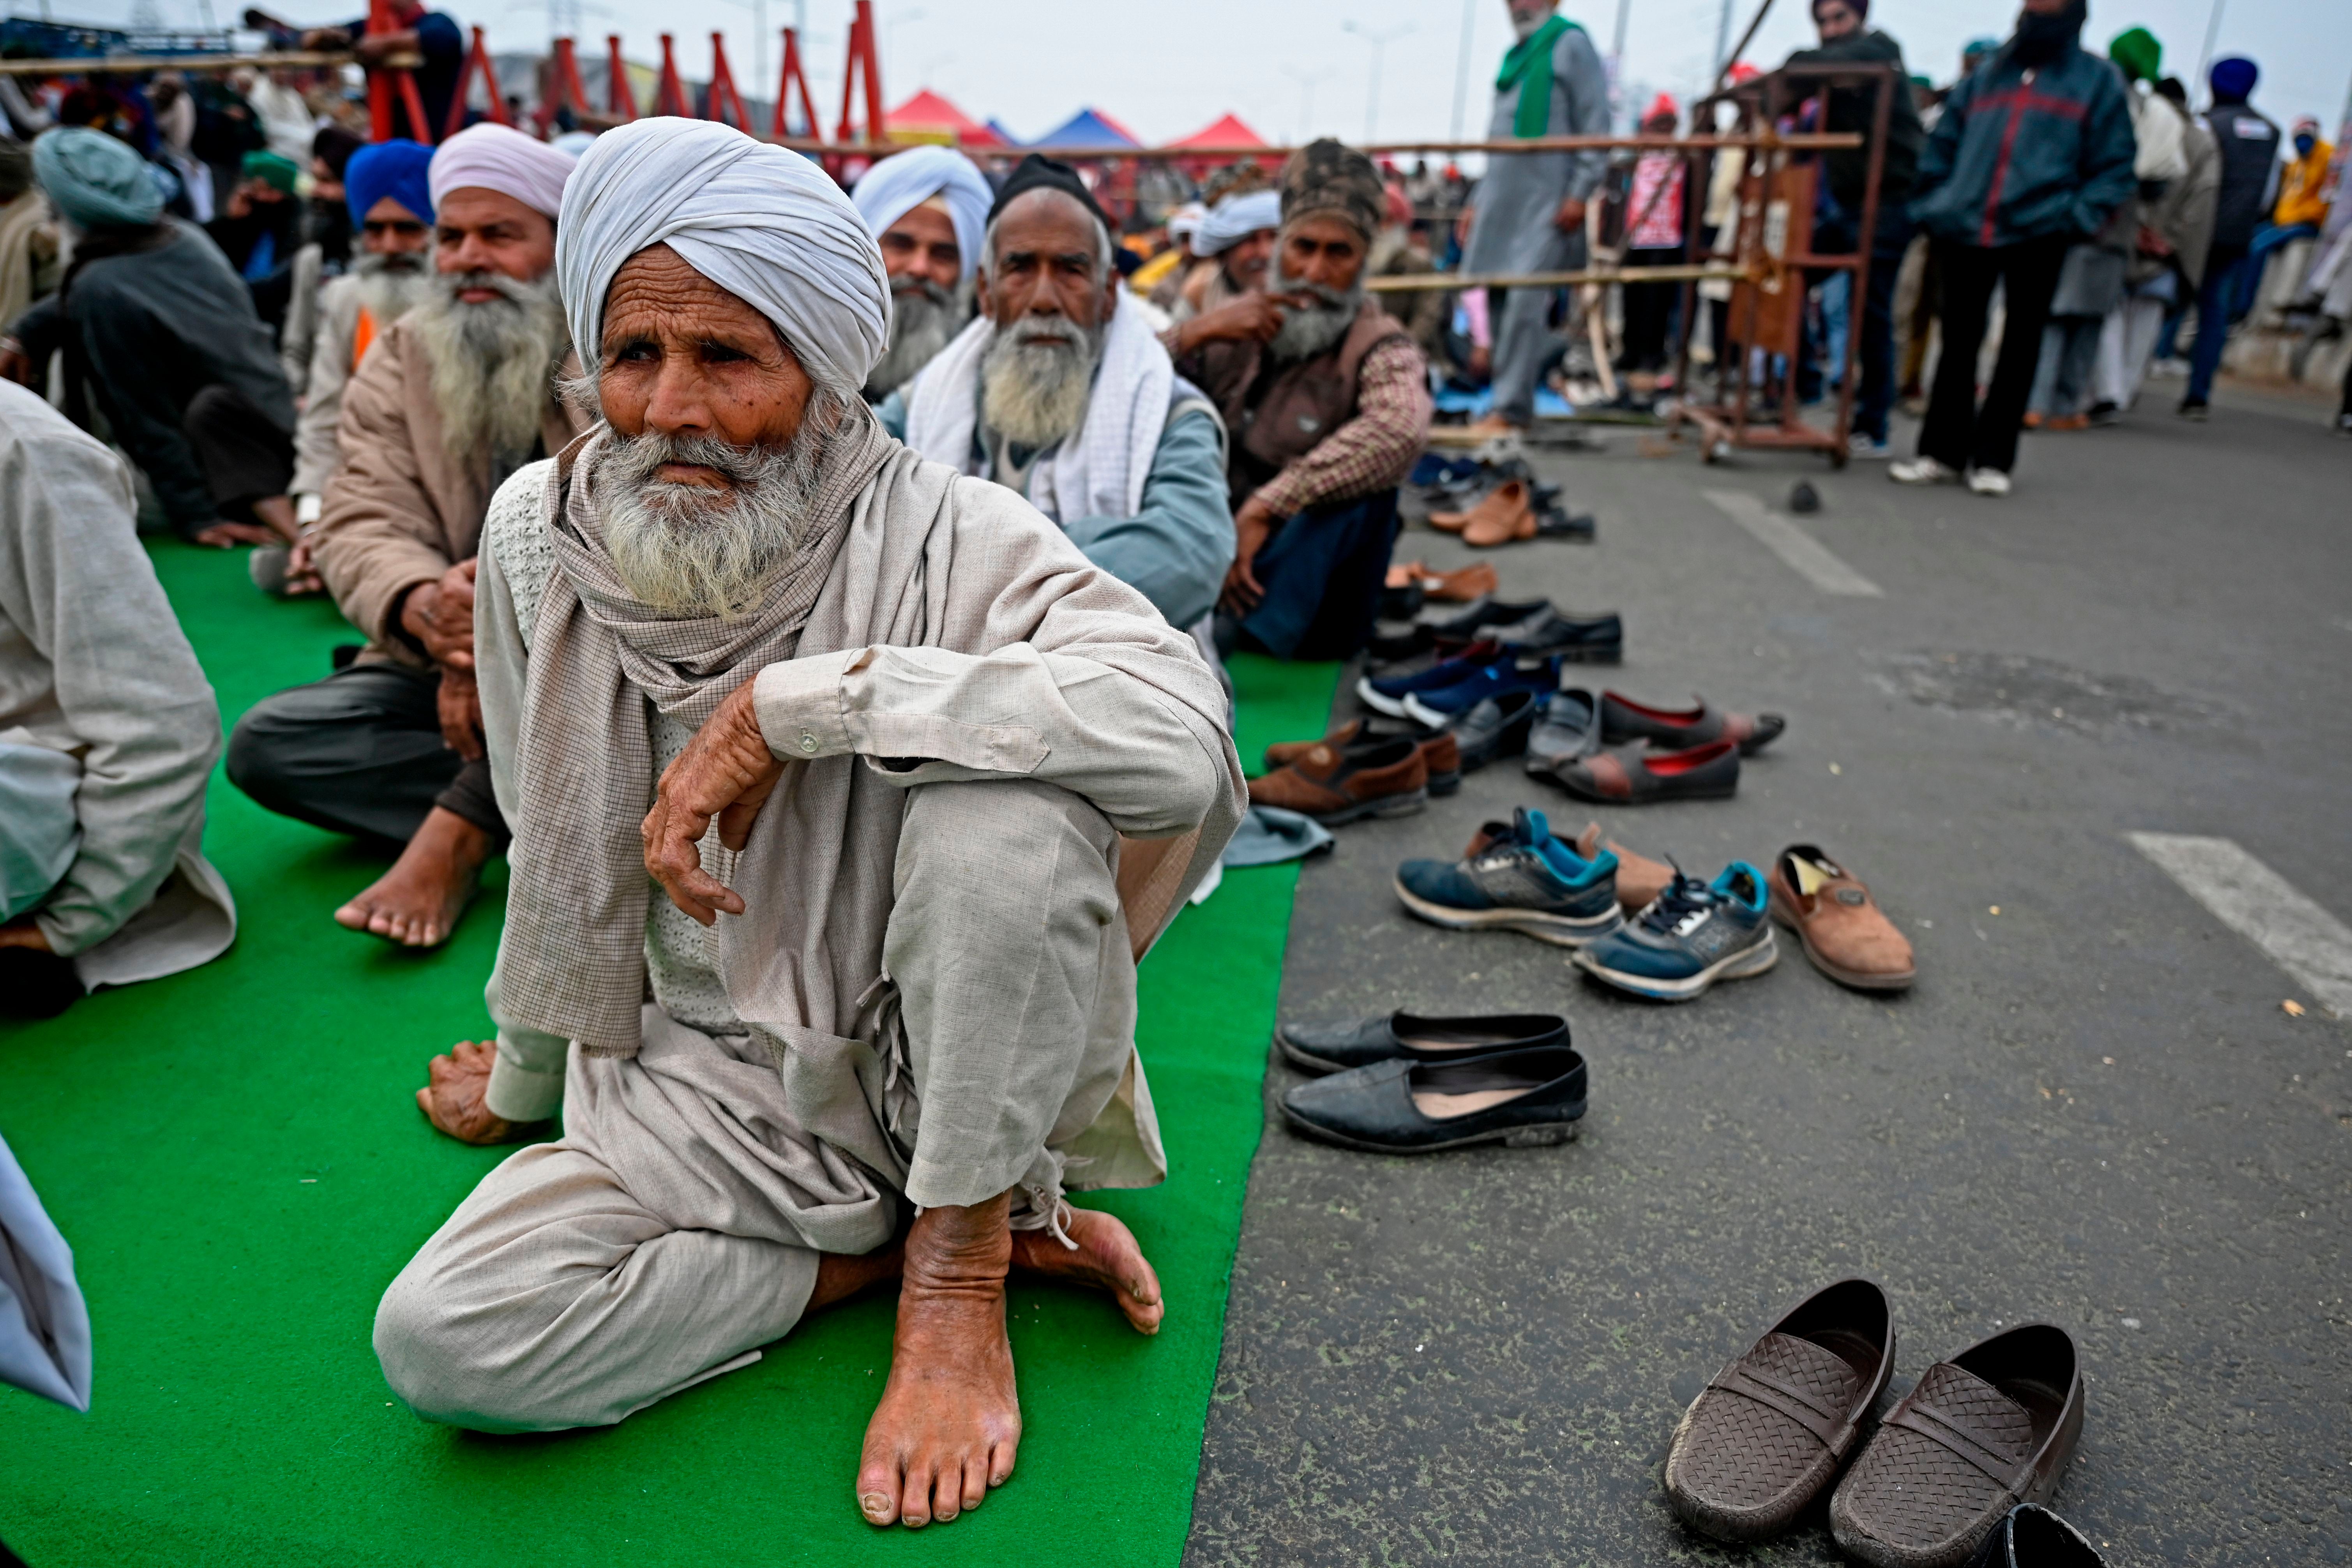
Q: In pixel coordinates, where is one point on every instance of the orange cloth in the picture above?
(2302, 189)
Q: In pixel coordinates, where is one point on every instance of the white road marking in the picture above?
(1802, 553)
(2262, 906)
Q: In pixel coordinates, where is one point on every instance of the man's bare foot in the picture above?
(1107, 1259)
(417, 902)
(949, 1420)
(452, 1098)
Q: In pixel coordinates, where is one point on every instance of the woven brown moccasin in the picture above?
(1980, 1434)
(1768, 1433)
(1335, 785)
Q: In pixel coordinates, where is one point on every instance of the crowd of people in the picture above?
(858, 563)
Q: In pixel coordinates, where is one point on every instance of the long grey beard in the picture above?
(1035, 381)
(491, 361)
(1317, 329)
(391, 286)
(924, 319)
(688, 549)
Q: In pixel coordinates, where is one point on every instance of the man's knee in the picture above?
(263, 745)
(1001, 840)
(437, 1358)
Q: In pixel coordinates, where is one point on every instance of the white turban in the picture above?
(898, 185)
(767, 226)
(1186, 221)
(499, 158)
(1234, 219)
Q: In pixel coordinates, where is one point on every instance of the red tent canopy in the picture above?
(927, 116)
(1228, 131)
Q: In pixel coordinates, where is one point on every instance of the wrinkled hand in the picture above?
(24, 933)
(302, 571)
(440, 617)
(1252, 318)
(1569, 219)
(1253, 526)
(460, 703)
(454, 1097)
(726, 772)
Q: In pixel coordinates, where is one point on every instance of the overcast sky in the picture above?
(1166, 67)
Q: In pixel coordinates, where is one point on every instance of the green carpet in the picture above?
(236, 1158)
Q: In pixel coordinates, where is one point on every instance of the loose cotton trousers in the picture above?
(2126, 345)
(1958, 433)
(678, 1225)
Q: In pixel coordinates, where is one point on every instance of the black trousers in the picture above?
(1958, 433)
(360, 752)
(245, 458)
(1650, 312)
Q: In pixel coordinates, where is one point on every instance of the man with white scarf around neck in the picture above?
(959, 779)
(1061, 392)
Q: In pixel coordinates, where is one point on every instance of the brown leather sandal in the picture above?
(1769, 1432)
(1980, 1434)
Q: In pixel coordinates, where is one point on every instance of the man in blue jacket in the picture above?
(2030, 154)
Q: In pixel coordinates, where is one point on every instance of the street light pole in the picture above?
(1722, 39)
(1462, 63)
(2212, 32)
(1306, 80)
(1380, 42)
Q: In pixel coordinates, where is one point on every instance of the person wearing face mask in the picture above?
(2032, 154)
(2300, 212)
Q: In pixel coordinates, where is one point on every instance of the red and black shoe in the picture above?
(1634, 776)
(1622, 720)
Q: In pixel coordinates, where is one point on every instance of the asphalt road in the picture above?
(2093, 1110)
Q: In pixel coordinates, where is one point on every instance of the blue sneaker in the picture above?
(1528, 882)
(1692, 937)
(1386, 694)
(1436, 707)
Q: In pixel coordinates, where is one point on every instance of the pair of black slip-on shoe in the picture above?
(1405, 1084)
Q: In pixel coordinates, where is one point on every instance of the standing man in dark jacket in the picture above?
(2032, 154)
(2249, 156)
(1848, 39)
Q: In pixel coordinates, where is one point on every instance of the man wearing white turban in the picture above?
(959, 779)
(459, 393)
(927, 209)
(1228, 302)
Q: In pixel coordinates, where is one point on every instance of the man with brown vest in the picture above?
(1326, 419)
(455, 396)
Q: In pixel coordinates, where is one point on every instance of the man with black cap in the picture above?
(1327, 420)
(2249, 141)
(1060, 391)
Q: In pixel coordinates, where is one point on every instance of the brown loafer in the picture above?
(1440, 751)
(1845, 934)
(1770, 1430)
(1468, 586)
(1495, 518)
(1336, 784)
(1630, 776)
(1980, 1434)
(1640, 879)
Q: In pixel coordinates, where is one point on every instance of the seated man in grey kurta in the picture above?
(1060, 391)
(845, 792)
(108, 733)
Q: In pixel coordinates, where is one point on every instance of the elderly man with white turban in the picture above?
(1061, 392)
(455, 396)
(917, 784)
(927, 208)
(1228, 302)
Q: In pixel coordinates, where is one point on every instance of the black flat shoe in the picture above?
(1523, 1099)
(1466, 624)
(2033, 1537)
(1580, 639)
(1496, 728)
(1337, 1046)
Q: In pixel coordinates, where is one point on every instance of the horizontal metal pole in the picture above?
(298, 59)
(1811, 141)
(1431, 282)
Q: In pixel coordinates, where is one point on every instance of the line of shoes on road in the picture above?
(1647, 928)
(1957, 1474)
(1407, 1083)
(1490, 502)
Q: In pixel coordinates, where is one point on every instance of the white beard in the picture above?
(388, 293)
(924, 319)
(1032, 391)
(688, 549)
(1306, 334)
(491, 362)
